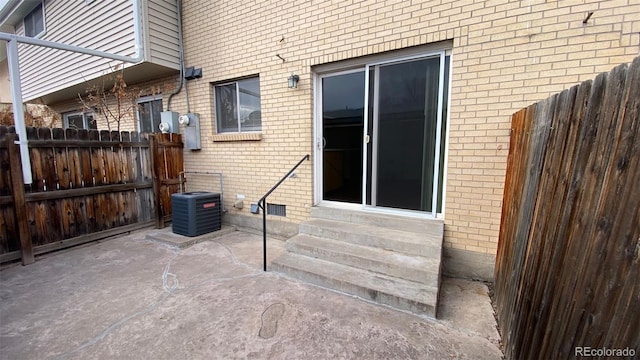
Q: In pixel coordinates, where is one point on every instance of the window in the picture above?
(238, 106)
(149, 109)
(80, 120)
(34, 21)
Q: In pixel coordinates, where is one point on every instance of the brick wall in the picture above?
(506, 55)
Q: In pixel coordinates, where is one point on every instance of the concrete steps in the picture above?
(380, 261)
(389, 221)
(372, 235)
(388, 259)
(387, 290)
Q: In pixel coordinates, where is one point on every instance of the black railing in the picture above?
(262, 204)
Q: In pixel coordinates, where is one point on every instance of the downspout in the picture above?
(138, 31)
(16, 87)
(181, 50)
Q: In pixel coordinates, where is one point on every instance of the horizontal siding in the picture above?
(163, 33)
(100, 25)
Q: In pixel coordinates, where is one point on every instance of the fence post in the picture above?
(153, 149)
(19, 203)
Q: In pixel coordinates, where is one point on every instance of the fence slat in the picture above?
(36, 162)
(125, 160)
(107, 158)
(136, 160)
(84, 155)
(48, 162)
(69, 218)
(91, 216)
(116, 163)
(5, 167)
(131, 207)
(155, 160)
(61, 161)
(97, 161)
(73, 155)
(9, 235)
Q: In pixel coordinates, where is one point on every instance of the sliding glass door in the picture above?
(383, 134)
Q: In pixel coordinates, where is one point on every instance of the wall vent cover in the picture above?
(277, 209)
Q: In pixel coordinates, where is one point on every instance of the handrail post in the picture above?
(262, 204)
(264, 234)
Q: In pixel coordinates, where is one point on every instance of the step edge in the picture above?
(300, 240)
(371, 214)
(432, 291)
(398, 302)
(330, 222)
(425, 239)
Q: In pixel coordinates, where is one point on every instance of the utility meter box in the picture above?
(191, 122)
(169, 122)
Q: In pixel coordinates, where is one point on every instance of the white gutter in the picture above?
(16, 86)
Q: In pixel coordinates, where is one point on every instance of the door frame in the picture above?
(442, 49)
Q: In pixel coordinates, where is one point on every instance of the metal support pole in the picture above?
(139, 56)
(264, 234)
(18, 111)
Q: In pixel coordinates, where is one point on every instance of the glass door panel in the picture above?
(405, 100)
(342, 130)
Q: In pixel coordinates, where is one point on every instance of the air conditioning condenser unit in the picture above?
(196, 213)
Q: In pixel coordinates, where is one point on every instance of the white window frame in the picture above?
(238, 109)
(44, 22)
(145, 99)
(85, 120)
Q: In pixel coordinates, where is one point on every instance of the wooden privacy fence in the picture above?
(168, 164)
(86, 185)
(568, 263)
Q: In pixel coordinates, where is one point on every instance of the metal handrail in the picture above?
(262, 204)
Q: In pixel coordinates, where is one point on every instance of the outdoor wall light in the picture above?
(293, 81)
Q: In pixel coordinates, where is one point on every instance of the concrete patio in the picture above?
(134, 298)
